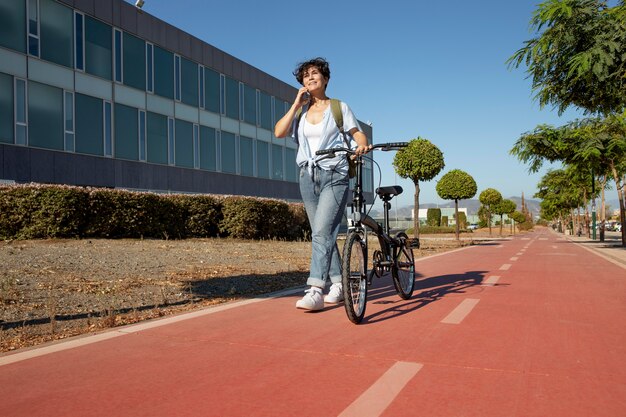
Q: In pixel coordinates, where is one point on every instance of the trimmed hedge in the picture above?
(37, 211)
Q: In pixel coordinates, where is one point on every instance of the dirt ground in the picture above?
(54, 289)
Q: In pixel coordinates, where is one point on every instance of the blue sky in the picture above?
(411, 68)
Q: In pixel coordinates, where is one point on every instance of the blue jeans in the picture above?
(324, 196)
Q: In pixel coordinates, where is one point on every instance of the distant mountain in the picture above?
(472, 206)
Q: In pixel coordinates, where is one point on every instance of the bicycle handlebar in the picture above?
(393, 146)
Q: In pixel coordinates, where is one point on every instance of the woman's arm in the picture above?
(283, 126)
(361, 141)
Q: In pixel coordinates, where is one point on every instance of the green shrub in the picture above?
(45, 211)
(42, 211)
(462, 220)
(433, 217)
(444, 221)
(202, 213)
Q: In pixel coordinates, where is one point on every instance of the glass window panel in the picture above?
(184, 144)
(232, 98)
(134, 62)
(142, 135)
(246, 156)
(201, 85)
(163, 73)
(177, 77)
(20, 134)
(20, 98)
(290, 165)
(98, 48)
(33, 17)
(265, 111)
(189, 82)
(56, 33)
(7, 122)
(171, 139)
(249, 109)
(118, 55)
(149, 71)
(108, 129)
(126, 132)
(69, 112)
(79, 22)
(157, 138)
(45, 116)
(262, 159)
(228, 154)
(212, 90)
(13, 25)
(89, 136)
(279, 109)
(33, 45)
(207, 148)
(196, 146)
(277, 162)
(69, 142)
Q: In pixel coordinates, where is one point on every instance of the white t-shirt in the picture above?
(313, 133)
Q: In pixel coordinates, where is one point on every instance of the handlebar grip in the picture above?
(398, 145)
(324, 151)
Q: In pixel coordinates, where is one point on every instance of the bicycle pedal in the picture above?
(414, 243)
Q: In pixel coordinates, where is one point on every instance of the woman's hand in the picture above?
(362, 149)
(303, 97)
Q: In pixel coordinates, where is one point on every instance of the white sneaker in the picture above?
(312, 300)
(335, 294)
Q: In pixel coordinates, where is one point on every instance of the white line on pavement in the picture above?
(377, 397)
(491, 281)
(461, 311)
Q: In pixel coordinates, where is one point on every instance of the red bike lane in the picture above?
(525, 327)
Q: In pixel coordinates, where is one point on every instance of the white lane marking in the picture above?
(491, 281)
(377, 397)
(461, 311)
(543, 238)
(519, 253)
(525, 238)
(514, 258)
(133, 328)
(505, 267)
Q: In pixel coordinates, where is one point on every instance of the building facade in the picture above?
(99, 93)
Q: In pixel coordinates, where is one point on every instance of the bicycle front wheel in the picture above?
(403, 269)
(353, 277)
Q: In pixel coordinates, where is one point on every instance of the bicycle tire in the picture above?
(354, 277)
(403, 268)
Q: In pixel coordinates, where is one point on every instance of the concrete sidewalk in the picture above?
(611, 249)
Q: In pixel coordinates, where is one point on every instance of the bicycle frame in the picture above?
(394, 255)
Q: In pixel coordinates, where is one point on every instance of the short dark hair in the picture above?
(320, 63)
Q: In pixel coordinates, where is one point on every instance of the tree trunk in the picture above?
(489, 220)
(456, 216)
(620, 196)
(416, 211)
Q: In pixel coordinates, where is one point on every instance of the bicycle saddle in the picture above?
(389, 191)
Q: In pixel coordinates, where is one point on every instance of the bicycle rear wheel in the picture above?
(403, 269)
(353, 277)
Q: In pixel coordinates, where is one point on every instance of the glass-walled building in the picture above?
(98, 93)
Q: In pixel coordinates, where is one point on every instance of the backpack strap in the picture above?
(335, 108)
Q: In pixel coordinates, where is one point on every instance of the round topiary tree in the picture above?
(489, 198)
(456, 185)
(419, 161)
(504, 207)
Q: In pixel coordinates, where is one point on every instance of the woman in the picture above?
(323, 181)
